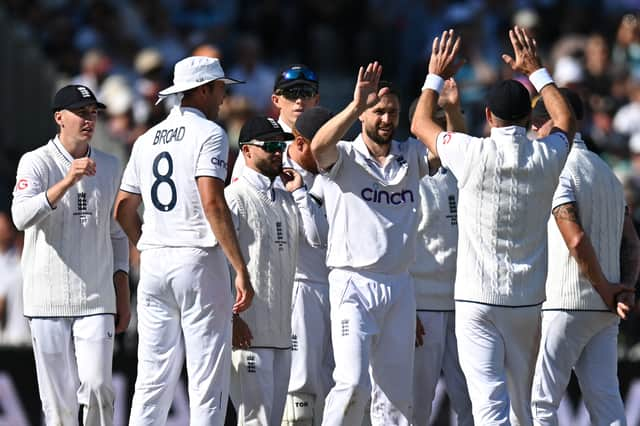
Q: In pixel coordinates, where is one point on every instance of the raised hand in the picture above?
(525, 50)
(366, 93)
(444, 61)
(449, 96)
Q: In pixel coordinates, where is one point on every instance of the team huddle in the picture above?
(331, 275)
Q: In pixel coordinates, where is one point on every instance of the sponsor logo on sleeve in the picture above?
(219, 163)
(22, 184)
(447, 138)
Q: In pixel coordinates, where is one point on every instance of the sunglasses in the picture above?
(269, 146)
(299, 73)
(300, 92)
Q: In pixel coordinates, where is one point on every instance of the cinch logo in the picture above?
(381, 196)
(218, 162)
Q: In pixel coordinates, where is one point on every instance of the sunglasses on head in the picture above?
(269, 146)
(299, 73)
(300, 92)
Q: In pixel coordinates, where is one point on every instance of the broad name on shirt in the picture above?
(165, 136)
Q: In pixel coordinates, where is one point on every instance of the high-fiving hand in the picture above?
(366, 93)
(525, 49)
(444, 61)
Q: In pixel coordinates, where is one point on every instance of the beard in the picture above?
(269, 168)
(375, 137)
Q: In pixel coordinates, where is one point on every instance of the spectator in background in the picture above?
(597, 62)
(96, 65)
(14, 328)
(259, 77)
(627, 119)
(626, 49)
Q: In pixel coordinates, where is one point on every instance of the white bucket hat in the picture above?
(195, 71)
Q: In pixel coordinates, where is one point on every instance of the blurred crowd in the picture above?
(125, 52)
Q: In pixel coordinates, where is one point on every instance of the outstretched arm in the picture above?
(443, 64)
(365, 95)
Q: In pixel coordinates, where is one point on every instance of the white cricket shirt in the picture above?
(164, 165)
(311, 267)
(589, 182)
(372, 208)
(506, 184)
(434, 270)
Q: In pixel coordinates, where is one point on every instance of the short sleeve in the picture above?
(565, 192)
(452, 150)
(213, 157)
(130, 178)
(422, 154)
(332, 172)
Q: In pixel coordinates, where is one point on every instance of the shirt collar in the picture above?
(63, 151)
(508, 131)
(259, 181)
(285, 126)
(180, 110)
(361, 147)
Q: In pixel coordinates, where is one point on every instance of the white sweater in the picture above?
(434, 270)
(588, 181)
(70, 252)
(506, 184)
(268, 232)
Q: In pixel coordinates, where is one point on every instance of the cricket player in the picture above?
(269, 228)
(75, 263)
(370, 191)
(434, 273)
(593, 246)
(506, 183)
(295, 90)
(177, 170)
(312, 355)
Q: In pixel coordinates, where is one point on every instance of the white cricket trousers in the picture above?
(73, 364)
(372, 329)
(439, 353)
(587, 343)
(184, 307)
(497, 347)
(312, 355)
(259, 379)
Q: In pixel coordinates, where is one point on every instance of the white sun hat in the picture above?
(195, 71)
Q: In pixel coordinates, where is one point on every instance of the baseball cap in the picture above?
(295, 75)
(308, 123)
(509, 100)
(74, 96)
(539, 110)
(195, 71)
(262, 128)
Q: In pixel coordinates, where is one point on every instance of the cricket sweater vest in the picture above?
(434, 270)
(505, 200)
(600, 200)
(269, 236)
(68, 257)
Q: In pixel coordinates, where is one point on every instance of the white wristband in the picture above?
(540, 78)
(433, 82)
